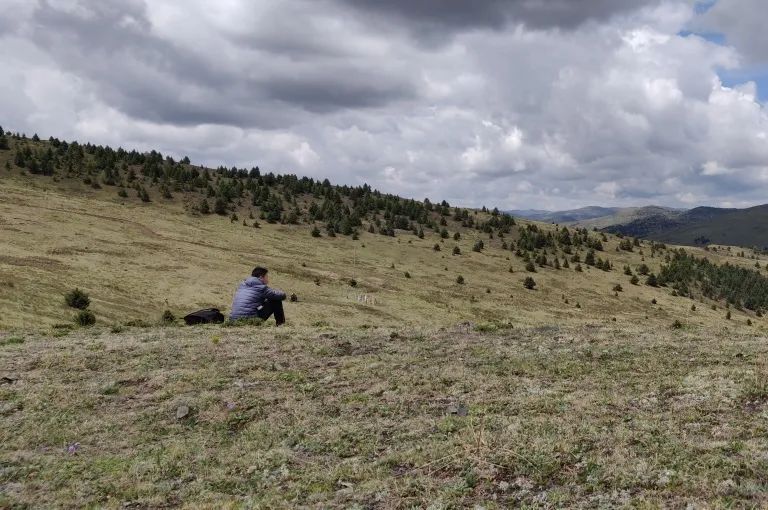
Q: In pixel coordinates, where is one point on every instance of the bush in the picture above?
(353, 283)
(436, 247)
(529, 283)
(456, 250)
(77, 299)
(407, 274)
(618, 288)
(460, 280)
(315, 232)
(677, 325)
(168, 317)
(85, 318)
(530, 267)
(634, 280)
(478, 246)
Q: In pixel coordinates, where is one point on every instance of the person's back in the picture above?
(254, 298)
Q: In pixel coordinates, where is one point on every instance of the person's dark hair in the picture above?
(259, 272)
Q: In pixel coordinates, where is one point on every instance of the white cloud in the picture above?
(621, 109)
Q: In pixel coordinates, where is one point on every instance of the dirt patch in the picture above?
(38, 262)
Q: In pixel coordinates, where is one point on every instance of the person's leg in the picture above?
(273, 307)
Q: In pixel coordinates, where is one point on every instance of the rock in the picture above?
(458, 409)
(7, 380)
(182, 412)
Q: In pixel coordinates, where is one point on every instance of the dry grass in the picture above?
(137, 260)
(380, 418)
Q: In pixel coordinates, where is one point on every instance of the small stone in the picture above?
(458, 409)
(182, 412)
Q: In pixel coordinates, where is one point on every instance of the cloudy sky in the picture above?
(546, 104)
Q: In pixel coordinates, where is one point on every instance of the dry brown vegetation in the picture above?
(136, 260)
(399, 392)
(550, 417)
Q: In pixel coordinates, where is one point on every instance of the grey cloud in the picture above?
(741, 24)
(151, 78)
(461, 15)
(557, 112)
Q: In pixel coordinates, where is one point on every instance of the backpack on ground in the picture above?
(206, 316)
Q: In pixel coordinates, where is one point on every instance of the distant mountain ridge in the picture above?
(692, 227)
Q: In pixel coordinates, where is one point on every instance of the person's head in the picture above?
(261, 274)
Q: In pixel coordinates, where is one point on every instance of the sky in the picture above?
(545, 104)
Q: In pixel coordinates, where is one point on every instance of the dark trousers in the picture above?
(272, 307)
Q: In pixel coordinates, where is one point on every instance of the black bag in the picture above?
(207, 316)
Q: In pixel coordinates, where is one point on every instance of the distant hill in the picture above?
(572, 216)
(702, 226)
(698, 226)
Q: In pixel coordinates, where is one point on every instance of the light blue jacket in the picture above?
(250, 296)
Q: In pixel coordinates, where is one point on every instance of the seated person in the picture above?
(254, 298)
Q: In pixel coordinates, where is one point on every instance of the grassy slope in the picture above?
(555, 417)
(567, 408)
(138, 259)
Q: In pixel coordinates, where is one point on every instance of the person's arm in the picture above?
(274, 294)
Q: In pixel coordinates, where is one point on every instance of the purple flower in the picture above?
(73, 448)
(230, 406)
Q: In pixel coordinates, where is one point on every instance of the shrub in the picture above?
(456, 250)
(652, 281)
(77, 299)
(478, 246)
(460, 280)
(693, 308)
(122, 193)
(85, 318)
(294, 298)
(634, 280)
(529, 283)
(618, 288)
(353, 283)
(677, 325)
(436, 247)
(168, 317)
(578, 268)
(728, 315)
(315, 232)
(407, 274)
(530, 267)
(653, 301)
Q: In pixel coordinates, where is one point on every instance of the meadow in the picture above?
(395, 384)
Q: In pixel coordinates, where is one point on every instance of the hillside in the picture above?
(571, 216)
(84, 226)
(630, 375)
(702, 226)
(699, 226)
